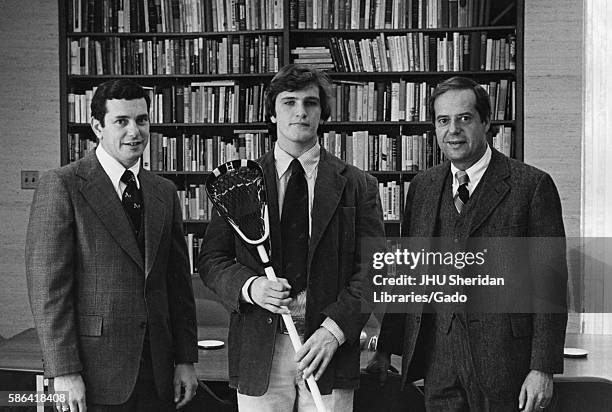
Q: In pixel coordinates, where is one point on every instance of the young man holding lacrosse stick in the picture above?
(320, 211)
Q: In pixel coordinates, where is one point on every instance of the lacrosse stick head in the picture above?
(238, 191)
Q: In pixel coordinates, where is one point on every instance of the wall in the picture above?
(554, 113)
(29, 110)
(553, 97)
(30, 114)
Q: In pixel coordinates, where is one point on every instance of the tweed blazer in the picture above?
(93, 294)
(513, 200)
(346, 210)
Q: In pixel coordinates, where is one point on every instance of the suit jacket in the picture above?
(346, 209)
(93, 294)
(513, 200)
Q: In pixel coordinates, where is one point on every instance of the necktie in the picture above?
(294, 229)
(132, 199)
(463, 194)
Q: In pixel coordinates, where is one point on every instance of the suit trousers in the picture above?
(144, 397)
(451, 384)
(287, 389)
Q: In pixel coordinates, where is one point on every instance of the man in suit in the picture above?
(323, 283)
(108, 272)
(469, 360)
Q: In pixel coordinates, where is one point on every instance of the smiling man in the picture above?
(108, 272)
(493, 362)
(320, 211)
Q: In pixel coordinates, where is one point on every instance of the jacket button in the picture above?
(269, 320)
(418, 318)
(143, 325)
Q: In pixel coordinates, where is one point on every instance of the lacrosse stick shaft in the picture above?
(293, 335)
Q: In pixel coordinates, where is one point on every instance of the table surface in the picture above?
(22, 353)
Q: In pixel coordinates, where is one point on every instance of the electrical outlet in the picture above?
(29, 179)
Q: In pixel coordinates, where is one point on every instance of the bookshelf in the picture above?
(207, 69)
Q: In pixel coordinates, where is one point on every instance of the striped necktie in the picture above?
(463, 194)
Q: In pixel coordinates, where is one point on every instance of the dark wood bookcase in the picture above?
(505, 20)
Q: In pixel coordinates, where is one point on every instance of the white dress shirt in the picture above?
(114, 170)
(474, 172)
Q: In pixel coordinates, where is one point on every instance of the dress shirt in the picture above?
(474, 172)
(114, 170)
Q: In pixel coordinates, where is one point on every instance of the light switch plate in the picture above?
(29, 179)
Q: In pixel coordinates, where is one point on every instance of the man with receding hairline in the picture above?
(478, 361)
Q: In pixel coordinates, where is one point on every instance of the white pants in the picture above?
(287, 390)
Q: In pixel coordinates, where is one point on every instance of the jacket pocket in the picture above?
(90, 325)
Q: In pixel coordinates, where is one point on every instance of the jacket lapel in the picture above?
(328, 190)
(98, 191)
(269, 169)
(154, 217)
(489, 193)
(431, 201)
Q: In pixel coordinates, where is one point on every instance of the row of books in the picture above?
(220, 101)
(406, 101)
(380, 101)
(313, 56)
(384, 152)
(192, 153)
(162, 16)
(388, 14)
(372, 152)
(226, 101)
(80, 145)
(392, 196)
(195, 204)
(262, 54)
(422, 52)
(152, 56)
(209, 102)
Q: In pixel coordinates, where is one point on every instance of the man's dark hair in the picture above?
(294, 77)
(116, 89)
(483, 104)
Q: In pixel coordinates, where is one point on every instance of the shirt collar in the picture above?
(309, 160)
(476, 171)
(113, 168)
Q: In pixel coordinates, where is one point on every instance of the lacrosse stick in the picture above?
(238, 191)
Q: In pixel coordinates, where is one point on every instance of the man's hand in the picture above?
(536, 391)
(379, 365)
(271, 295)
(184, 377)
(74, 385)
(314, 356)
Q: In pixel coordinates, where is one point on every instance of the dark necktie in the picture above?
(294, 229)
(463, 194)
(132, 199)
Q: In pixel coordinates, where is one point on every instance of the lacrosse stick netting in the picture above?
(238, 191)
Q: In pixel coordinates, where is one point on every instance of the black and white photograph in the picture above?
(306, 205)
